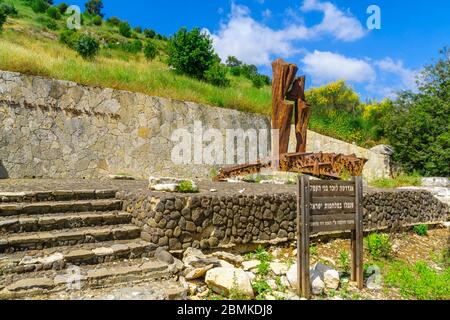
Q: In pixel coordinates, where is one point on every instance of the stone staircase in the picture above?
(52, 241)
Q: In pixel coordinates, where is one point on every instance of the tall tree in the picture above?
(94, 7)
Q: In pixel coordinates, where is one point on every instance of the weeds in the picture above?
(378, 245)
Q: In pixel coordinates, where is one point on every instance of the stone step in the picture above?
(58, 258)
(47, 222)
(40, 240)
(87, 277)
(56, 195)
(12, 209)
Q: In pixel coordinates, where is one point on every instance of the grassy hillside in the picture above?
(28, 46)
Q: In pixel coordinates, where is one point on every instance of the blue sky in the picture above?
(327, 39)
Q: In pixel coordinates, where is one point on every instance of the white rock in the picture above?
(168, 187)
(223, 280)
(229, 257)
(249, 265)
(224, 264)
(278, 268)
(329, 276)
(195, 273)
(103, 251)
(317, 285)
(213, 190)
(291, 276)
(251, 275)
(272, 284)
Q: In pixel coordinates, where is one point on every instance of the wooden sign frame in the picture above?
(324, 207)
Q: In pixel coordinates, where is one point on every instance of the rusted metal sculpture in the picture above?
(288, 99)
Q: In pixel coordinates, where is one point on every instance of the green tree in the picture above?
(94, 7)
(233, 62)
(217, 75)
(86, 46)
(419, 125)
(149, 33)
(150, 51)
(191, 52)
(53, 12)
(97, 20)
(125, 29)
(39, 6)
(336, 95)
(62, 7)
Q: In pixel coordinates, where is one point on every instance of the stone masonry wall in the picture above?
(206, 221)
(57, 129)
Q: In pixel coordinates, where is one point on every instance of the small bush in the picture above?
(39, 6)
(53, 12)
(8, 9)
(258, 81)
(114, 21)
(62, 7)
(125, 29)
(344, 261)
(149, 33)
(235, 71)
(261, 288)
(68, 37)
(379, 245)
(217, 75)
(3, 17)
(86, 46)
(138, 30)
(97, 20)
(263, 268)
(187, 187)
(134, 46)
(150, 51)
(421, 229)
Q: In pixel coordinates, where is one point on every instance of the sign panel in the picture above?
(329, 206)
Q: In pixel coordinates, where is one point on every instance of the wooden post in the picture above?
(359, 233)
(353, 251)
(305, 228)
(299, 242)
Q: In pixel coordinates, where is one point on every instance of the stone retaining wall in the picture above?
(208, 221)
(57, 129)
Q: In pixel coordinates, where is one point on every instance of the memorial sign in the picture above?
(325, 207)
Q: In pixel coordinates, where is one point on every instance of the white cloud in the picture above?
(256, 43)
(327, 66)
(396, 68)
(343, 26)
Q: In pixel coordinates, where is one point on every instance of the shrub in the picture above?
(3, 17)
(97, 20)
(378, 245)
(421, 229)
(8, 9)
(68, 37)
(86, 46)
(191, 52)
(249, 71)
(258, 81)
(53, 12)
(187, 187)
(39, 6)
(51, 25)
(134, 46)
(344, 261)
(149, 33)
(114, 21)
(125, 29)
(138, 29)
(217, 75)
(150, 51)
(235, 71)
(261, 288)
(62, 7)
(94, 7)
(263, 268)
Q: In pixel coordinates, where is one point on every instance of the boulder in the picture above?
(291, 276)
(249, 265)
(328, 275)
(278, 268)
(195, 273)
(229, 257)
(224, 280)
